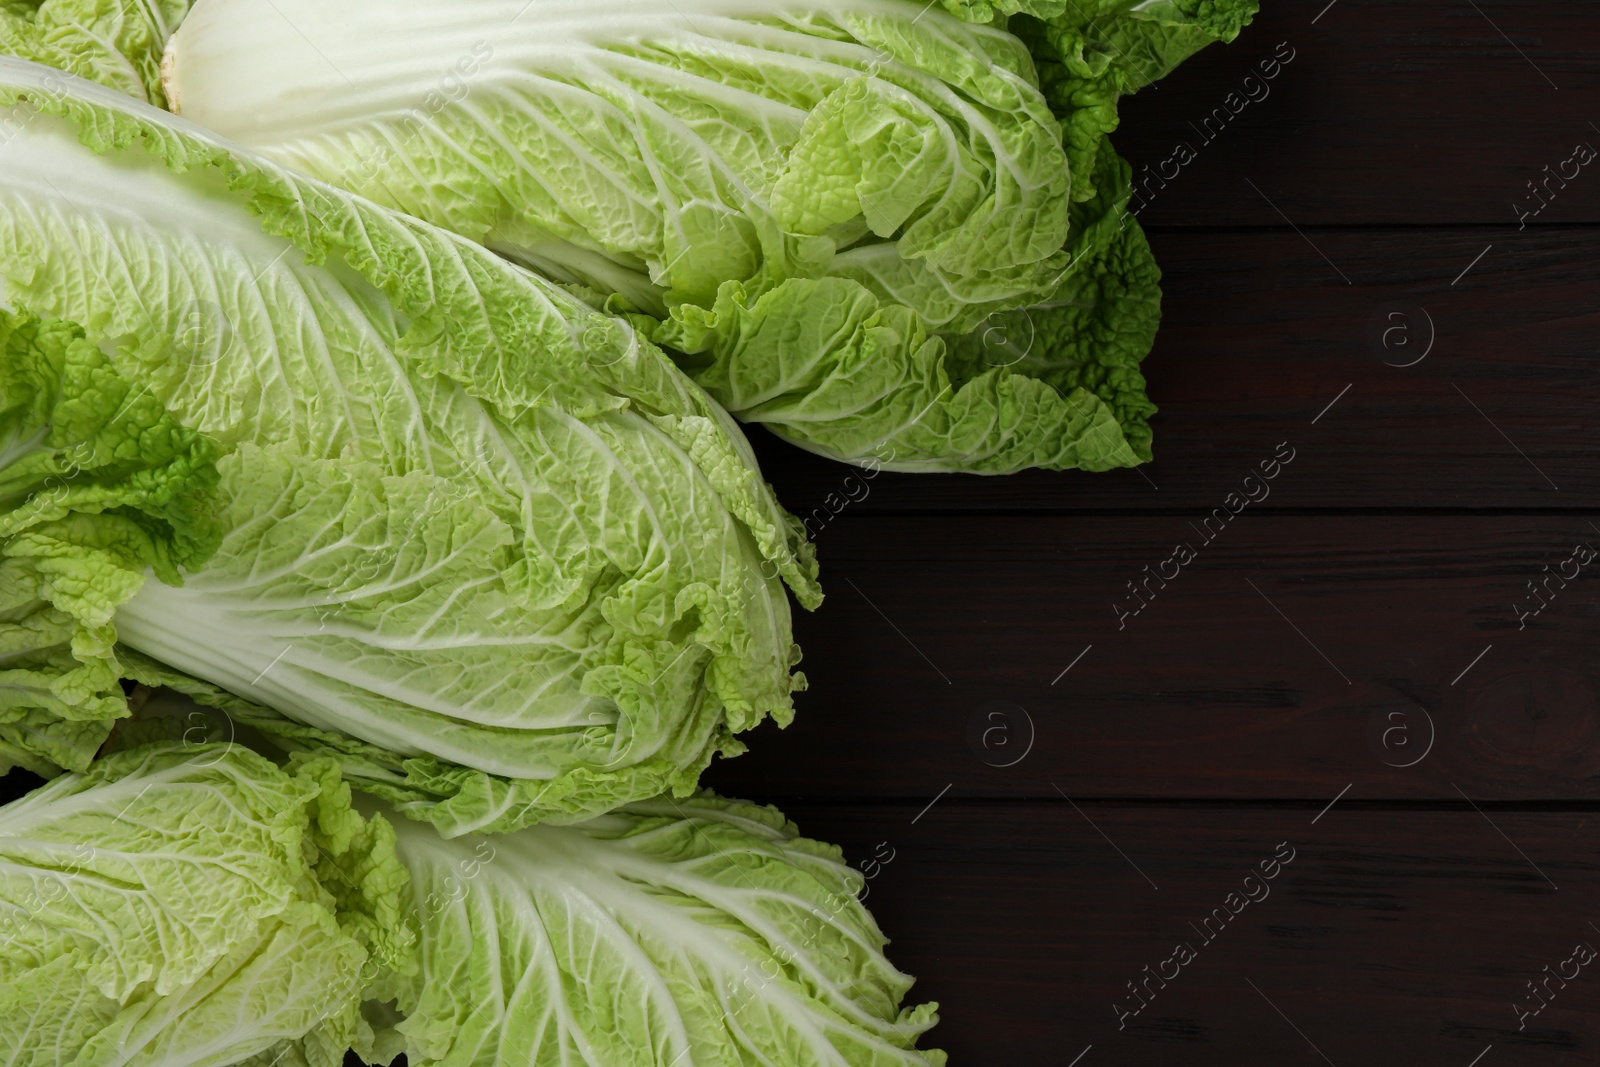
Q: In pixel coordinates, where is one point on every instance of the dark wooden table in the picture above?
(1051, 796)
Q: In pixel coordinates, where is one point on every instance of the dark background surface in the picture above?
(1047, 802)
(1362, 617)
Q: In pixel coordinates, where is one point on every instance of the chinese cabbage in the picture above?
(354, 468)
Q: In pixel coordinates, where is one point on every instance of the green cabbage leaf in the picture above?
(358, 470)
(701, 930)
(670, 931)
(184, 905)
(117, 43)
(832, 212)
(1091, 53)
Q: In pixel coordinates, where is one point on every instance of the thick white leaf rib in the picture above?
(701, 931)
(163, 909)
(665, 142)
(440, 472)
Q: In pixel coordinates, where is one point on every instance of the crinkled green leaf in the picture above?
(700, 931)
(117, 43)
(167, 908)
(386, 607)
(734, 172)
(463, 517)
(1091, 53)
(656, 152)
(673, 930)
(455, 799)
(1097, 327)
(803, 194)
(831, 379)
(98, 487)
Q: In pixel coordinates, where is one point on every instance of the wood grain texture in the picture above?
(1259, 335)
(1293, 656)
(1226, 716)
(1286, 685)
(1393, 936)
(1389, 114)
